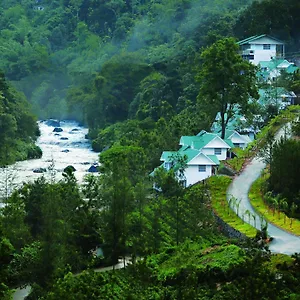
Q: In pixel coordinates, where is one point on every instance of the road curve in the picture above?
(283, 242)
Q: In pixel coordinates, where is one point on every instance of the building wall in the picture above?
(236, 139)
(261, 54)
(193, 175)
(211, 151)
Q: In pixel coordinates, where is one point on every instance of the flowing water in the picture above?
(60, 149)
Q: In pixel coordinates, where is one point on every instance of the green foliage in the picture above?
(218, 186)
(18, 128)
(274, 209)
(285, 165)
(227, 81)
(6, 250)
(278, 18)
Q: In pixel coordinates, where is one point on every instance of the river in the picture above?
(60, 149)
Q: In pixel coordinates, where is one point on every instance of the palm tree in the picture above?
(248, 213)
(278, 204)
(269, 200)
(254, 219)
(237, 204)
(231, 203)
(284, 205)
(293, 210)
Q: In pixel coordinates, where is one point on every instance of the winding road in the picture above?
(283, 241)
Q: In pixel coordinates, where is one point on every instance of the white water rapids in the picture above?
(60, 149)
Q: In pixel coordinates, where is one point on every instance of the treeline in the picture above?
(54, 48)
(107, 62)
(18, 128)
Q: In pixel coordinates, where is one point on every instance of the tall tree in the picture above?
(226, 80)
(123, 169)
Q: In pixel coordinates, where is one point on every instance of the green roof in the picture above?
(190, 154)
(198, 141)
(255, 37)
(251, 38)
(167, 155)
(291, 69)
(229, 142)
(214, 159)
(270, 65)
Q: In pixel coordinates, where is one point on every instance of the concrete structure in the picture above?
(261, 48)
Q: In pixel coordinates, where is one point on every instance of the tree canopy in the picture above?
(227, 81)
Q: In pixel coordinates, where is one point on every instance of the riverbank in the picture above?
(60, 149)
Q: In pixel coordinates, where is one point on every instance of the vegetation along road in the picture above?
(283, 242)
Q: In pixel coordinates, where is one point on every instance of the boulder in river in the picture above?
(64, 138)
(57, 134)
(52, 122)
(39, 170)
(93, 168)
(65, 150)
(75, 129)
(57, 129)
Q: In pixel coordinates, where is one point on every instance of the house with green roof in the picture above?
(261, 48)
(202, 154)
(278, 97)
(235, 139)
(269, 70)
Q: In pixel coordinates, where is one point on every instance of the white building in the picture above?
(261, 48)
(202, 152)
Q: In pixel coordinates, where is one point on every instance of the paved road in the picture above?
(283, 242)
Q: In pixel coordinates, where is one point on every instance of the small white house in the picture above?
(261, 48)
(238, 140)
(202, 152)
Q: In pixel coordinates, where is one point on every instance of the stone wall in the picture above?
(228, 230)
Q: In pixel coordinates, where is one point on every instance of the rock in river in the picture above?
(39, 170)
(93, 169)
(52, 122)
(65, 150)
(57, 129)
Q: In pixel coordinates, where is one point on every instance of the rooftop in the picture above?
(256, 37)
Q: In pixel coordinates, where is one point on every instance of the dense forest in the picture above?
(134, 72)
(18, 128)
(127, 69)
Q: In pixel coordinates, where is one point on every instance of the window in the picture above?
(218, 151)
(202, 168)
(266, 46)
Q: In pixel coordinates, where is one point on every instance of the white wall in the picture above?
(259, 53)
(237, 139)
(211, 151)
(193, 175)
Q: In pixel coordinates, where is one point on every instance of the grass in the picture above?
(218, 187)
(237, 162)
(278, 259)
(276, 217)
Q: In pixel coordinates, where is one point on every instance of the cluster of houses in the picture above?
(204, 152)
